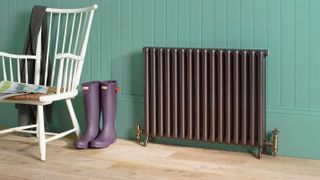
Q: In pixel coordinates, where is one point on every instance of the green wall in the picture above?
(289, 29)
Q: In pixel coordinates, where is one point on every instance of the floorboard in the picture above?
(19, 159)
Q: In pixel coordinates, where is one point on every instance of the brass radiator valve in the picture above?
(139, 131)
(274, 143)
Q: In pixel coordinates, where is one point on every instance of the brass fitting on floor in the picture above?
(139, 131)
(274, 143)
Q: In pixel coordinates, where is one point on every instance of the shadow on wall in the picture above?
(61, 120)
(10, 117)
(21, 24)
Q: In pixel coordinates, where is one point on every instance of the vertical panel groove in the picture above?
(280, 58)
(308, 55)
(295, 54)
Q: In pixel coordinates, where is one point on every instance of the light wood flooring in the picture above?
(19, 159)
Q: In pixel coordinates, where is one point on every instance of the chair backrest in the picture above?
(67, 40)
(68, 35)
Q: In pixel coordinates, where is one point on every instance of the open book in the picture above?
(8, 89)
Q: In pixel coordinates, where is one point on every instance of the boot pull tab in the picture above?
(85, 88)
(104, 87)
(117, 90)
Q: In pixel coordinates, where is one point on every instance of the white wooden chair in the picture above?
(68, 34)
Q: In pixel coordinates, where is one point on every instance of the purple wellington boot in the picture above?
(108, 96)
(91, 94)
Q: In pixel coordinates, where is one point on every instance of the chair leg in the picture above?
(42, 137)
(73, 117)
(38, 127)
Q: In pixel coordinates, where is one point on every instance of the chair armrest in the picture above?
(10, 66)
(17, 56)
(68, 56)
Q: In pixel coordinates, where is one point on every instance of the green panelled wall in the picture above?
(289, 29)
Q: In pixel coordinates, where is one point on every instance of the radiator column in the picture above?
(236, 91)
(204, 95)
(213, 112)
(182, 93)
(220, 97)
(167, 94)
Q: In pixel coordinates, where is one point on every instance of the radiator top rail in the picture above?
(224, 50)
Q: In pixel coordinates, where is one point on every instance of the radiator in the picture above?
(213, 95)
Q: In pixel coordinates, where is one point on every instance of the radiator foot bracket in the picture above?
(260, 150)
(268, 144)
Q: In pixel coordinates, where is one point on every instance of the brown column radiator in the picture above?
(214, 95)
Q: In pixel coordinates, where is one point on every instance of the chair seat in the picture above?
(33, 96)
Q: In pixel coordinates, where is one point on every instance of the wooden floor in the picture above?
(127, 160)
